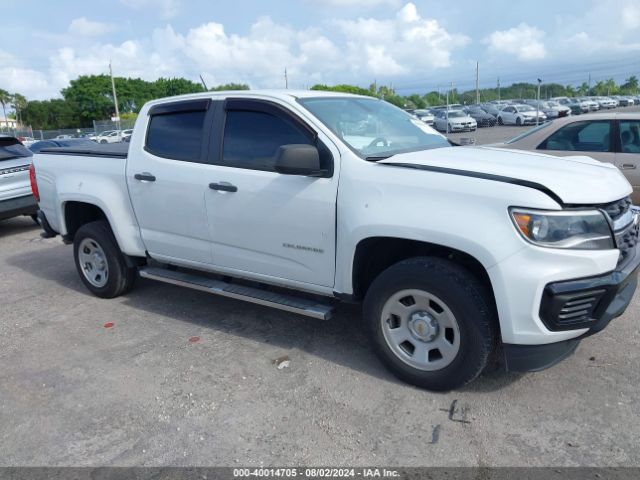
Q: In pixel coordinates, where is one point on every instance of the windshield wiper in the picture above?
(376, 158)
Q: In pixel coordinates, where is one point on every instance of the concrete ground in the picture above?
(186, 378)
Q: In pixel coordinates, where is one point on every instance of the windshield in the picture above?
(372, 127)
(457, 114)
(11, 148)
(525, 108)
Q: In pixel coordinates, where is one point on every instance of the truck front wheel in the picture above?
(431, 323)
(100, 263)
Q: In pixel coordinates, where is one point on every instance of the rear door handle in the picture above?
(145, 177)
(628, 166)
(223, 187)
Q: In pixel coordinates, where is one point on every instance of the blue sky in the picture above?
(414, 46)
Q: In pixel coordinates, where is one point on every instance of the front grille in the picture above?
(616, 209)
(572, 309)
(579, 308)
(626, 241)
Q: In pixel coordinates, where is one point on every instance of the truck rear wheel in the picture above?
(100, 263)
(431, 323)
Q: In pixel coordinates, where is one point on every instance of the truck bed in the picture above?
(118, 150)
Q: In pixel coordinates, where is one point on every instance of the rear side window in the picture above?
(252, 138)
(630, 136)
(581, 137)
(177, 135)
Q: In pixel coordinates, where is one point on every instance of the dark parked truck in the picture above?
(300, 199)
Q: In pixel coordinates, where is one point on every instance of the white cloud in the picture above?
(357, 51)
(167, 8)
(524, 42)
(631, 16)
(18, 78)
(357, 3)
(84, 27)
(402, 45)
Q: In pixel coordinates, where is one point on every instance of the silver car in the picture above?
(454, 121)
(608, 137)
(15, 188)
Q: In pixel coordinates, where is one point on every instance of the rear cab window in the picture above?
(177, 130)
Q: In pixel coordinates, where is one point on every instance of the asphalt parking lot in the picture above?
(169, 376)
(483, 136)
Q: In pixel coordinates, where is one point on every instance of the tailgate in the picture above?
(14, 169)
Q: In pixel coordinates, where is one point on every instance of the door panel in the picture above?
(167, 182)
(264, 222)
(171, 210)
(277, 225)
(628, 154)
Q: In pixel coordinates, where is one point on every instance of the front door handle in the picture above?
(144, 177)
(628, 166)
(223, 187)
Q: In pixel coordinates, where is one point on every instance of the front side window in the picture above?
(580, 137)
(373, 128)
(630, 136)
(177, 135)
(252, 139)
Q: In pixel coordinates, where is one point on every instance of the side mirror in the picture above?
(298, 159)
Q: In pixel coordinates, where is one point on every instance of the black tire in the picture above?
(500, 122)
(518, 121)
(120, 277)
(463, 295)
(103, 141)
(34, 217)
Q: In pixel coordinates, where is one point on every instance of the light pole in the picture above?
(538, 103)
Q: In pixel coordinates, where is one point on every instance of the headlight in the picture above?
(580, 230)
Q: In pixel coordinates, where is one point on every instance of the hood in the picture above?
(574, 180)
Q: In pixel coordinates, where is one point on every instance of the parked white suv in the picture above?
(300, 199)
(15, 193)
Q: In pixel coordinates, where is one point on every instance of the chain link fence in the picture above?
(99, 127)
(17, 131)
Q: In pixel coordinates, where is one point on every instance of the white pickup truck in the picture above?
(301, 199)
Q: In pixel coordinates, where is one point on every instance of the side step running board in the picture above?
(289, 303)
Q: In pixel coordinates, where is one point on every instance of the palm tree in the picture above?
(631, 84)
(19, 103)
(5, 97)
(611, 86)
(584, 88)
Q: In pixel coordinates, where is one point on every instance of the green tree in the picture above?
(416, 101)
(230, 86)
(599, 88)
(19, 103)
(5, 98)
(610, 87)
(630, 85)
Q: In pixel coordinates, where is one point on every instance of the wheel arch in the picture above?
(375, 254)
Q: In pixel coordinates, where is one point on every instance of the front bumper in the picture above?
(462, 128)
(25, 205)
(590, 303)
